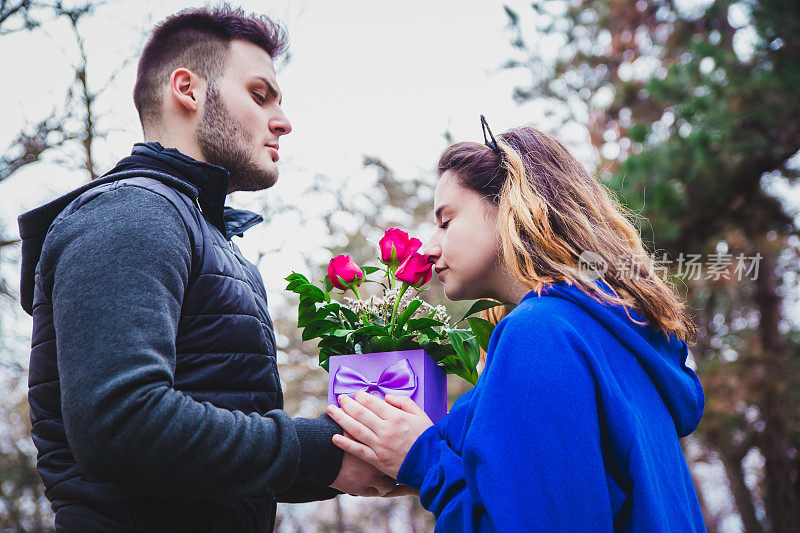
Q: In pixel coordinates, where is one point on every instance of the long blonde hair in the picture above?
(558, 223)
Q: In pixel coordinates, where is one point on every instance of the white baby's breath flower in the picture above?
(441, 315)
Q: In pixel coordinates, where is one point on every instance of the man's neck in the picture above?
(179, 142)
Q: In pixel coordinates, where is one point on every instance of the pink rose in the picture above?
(416, 270)
(396, 246)
(344, 272)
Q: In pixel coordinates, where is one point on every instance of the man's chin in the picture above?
(254, 182)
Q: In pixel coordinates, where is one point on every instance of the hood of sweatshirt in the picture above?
(663, 358)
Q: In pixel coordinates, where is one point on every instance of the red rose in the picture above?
(396, 246)
(416, 270)
(344, 272)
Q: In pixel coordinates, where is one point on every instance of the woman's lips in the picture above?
(440, 273)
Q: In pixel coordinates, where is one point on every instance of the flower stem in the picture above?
(403, 290)
(390, 274)
(364, 315)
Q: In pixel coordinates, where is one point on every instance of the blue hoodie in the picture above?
(573, 426)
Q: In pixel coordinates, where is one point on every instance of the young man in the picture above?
(154, 392)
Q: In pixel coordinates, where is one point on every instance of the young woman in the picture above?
(574, 422)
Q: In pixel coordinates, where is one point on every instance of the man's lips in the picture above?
(274, 150)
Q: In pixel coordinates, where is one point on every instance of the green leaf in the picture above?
(369, 270)
(306, 306)
(333, 342)
(318, 328)
(410, 310)
(295, 276)
(342, 332)
(417, 324)
(424, 339)
(333, 308)
(312, 292)
(407, 342)
(403, 340)
(327, 285)
(466, 346)
(323, 359)
(372, 330)
(482, 329)
(439, 351)
(480, 305)
(451, 364)
(350, 316)
(382, 344)
(312, 315)
(294, 285)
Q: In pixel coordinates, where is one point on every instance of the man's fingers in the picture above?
(356, 449)
(405, 403)
(402, 490)
(352, 426)
(385, 485)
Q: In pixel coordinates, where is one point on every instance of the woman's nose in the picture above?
(433, 248)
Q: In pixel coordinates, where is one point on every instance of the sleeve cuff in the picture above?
(422, 454)
(320, 460)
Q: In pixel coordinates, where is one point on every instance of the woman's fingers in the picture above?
(376, 405)
(405, 403)
(357, 449)
(352, 426)
(359, 411)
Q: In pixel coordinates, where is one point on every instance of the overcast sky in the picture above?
(378, 77)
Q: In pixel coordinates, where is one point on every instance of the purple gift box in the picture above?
(405, 373)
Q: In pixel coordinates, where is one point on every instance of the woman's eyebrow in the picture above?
(438, 213)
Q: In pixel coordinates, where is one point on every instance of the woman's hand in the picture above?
(383, 430)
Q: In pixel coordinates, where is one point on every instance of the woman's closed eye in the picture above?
(444, 224)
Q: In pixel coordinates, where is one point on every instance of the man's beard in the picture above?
(223, 142)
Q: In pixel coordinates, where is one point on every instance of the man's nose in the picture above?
(280, 125)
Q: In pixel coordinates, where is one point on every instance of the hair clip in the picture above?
(493, 143)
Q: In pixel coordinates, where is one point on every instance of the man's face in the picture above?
(242, 119)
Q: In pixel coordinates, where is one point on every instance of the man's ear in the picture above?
(186, 88)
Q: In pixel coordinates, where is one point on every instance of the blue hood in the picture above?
(664, 359)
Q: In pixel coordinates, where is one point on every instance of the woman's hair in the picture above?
(557, 223)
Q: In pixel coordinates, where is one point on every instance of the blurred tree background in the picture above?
(693, 110)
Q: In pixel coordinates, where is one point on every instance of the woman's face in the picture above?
(465, 246)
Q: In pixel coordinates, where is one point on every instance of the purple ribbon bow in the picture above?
(398, 379)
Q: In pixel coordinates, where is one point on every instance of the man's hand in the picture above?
(362, 479)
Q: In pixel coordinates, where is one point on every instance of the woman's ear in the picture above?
(186, 89)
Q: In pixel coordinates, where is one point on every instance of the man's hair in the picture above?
(197, 39)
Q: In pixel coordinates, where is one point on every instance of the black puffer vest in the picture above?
(225, 356)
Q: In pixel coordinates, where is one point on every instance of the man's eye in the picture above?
(260, 99)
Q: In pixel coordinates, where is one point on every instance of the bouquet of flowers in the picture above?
(397, 319)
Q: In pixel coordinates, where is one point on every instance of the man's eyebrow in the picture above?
(271, 87)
